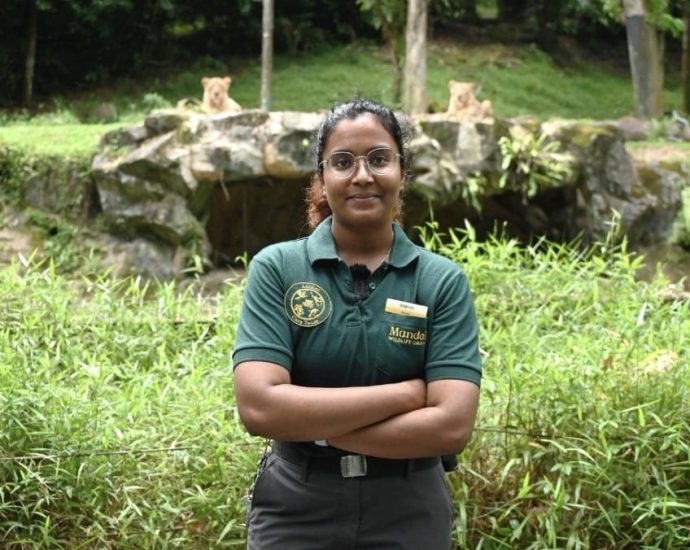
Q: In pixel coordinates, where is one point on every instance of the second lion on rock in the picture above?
(216, 98)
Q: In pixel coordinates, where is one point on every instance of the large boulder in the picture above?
(221, 185)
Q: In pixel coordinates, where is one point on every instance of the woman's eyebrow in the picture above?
(374, 148)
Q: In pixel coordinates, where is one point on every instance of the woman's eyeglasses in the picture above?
(380, 162)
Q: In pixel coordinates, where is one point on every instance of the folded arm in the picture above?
(443, 426)
(270, 406)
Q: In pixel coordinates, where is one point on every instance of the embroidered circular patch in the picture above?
(307, 304)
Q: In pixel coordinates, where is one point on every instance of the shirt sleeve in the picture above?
(263, 332)
(453, 347)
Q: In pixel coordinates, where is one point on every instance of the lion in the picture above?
(464, 106)
(216, 99)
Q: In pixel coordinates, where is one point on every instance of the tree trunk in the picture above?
(30, 61)
(685, 63)
(397, 75)
(646, 53)
(414, 93)
(266, 54)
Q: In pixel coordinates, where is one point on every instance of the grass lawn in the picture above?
(69, 140)
(518, 81)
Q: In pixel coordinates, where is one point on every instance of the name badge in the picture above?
(405, 308)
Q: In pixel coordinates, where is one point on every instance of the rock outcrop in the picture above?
(204, 189)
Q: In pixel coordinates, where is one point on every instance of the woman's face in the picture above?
(364, 198)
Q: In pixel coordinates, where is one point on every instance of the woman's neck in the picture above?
(370, 248)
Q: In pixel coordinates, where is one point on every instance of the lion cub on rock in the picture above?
(464, 106)
(216, 99)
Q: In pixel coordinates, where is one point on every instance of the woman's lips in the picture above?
(363, 196)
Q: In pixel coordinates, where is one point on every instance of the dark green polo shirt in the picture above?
(301, 311)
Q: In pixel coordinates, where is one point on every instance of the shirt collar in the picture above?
(320, 245)
(404, 250)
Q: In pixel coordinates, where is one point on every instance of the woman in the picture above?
(357, 354)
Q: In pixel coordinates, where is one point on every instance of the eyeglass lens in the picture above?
(379, 161)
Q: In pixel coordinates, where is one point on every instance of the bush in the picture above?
(15, 167)
(583, 438)
(681, 227)
(120, 428)
(153, 101)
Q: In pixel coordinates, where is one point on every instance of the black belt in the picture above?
(351, 465)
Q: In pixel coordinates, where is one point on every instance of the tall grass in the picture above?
(583, 437)
(118, 427)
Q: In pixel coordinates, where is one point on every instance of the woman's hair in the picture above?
(317, 206)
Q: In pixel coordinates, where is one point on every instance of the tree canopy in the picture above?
(70, 44)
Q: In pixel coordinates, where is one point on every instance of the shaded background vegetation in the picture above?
(81, 45)
(95, 42)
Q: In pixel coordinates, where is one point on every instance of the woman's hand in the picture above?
(441, 427)
(271, 406)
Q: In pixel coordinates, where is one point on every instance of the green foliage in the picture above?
(57, 184)
(582, 438)
(153, 101)
(474, 187)
(14, 168)
(532, 163)
(60, 241)
(120, 428)
(469, 10)
(387, 16)
(97, 42)
(681, 228)
(659, 13)
(668, 128)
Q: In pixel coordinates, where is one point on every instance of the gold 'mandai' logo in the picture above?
(400, 335)
(307, 304)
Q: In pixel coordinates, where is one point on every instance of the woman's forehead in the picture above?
(365, 131)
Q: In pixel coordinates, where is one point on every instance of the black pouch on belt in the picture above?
(450, 463)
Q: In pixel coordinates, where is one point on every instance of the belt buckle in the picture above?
(353, 466)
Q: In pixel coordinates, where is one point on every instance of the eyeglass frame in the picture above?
(356, 162)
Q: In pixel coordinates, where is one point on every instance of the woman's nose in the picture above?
(362, 171)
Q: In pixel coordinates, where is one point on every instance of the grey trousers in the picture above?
(296, 510)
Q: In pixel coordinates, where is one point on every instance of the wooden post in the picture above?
(414, 90)
(646, 52)
(266, 54)
(685, 63)
(30, 61)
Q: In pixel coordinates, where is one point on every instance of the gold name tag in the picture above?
(405, 308)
